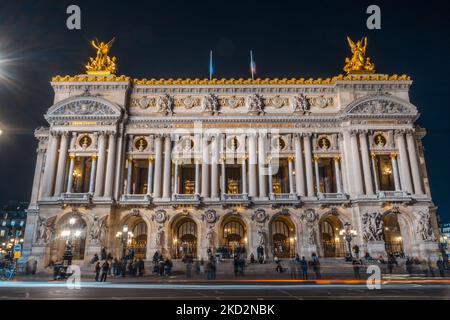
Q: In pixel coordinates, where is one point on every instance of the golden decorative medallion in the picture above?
(380, 140)
(324, 143)
(141, 144)
(85, 141)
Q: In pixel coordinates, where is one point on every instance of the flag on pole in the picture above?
(252, 65)
(211, 67)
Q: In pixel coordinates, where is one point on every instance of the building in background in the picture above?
(273, 167)
(13, 218)
(445, 237)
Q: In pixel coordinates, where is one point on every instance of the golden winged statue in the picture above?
(358, 63)
(102, 64)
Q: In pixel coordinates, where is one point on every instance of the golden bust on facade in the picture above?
(102, 64)
(358, 63)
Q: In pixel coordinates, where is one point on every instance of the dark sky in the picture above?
(172, 39)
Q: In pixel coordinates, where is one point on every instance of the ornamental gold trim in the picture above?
(232, 81)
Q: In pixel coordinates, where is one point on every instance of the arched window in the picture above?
(72, 229)
(332, 244)
(392, 235)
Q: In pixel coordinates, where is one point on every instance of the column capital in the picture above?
(393, 155)
(94, 156)
(316, 157)
(151, 158)
(72, 156)
(373, 155)
(337, 158)
(353, 132)
(291, 158)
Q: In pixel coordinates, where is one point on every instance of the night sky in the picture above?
(171, 39)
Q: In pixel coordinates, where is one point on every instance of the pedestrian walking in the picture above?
(236, 265)
(441, 266)
(316, 267)
(304, 268)
(356, 267)
(356, 251)
(97, 271)
(105, 269)
(292, 269)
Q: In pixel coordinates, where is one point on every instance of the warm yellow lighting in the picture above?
(72, 221)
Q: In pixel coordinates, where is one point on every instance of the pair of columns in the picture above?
(366, 177)
(102, 169)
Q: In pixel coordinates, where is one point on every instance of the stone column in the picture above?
(405, 176)
(291, 174)
(308, 165)
(150, 176)
(374, 170)
(62, 162)
(358, 184)
(223, 183)
(37, 176)
(418, 189)
(215, 167)
(70, 173)
(93, 171)
(167, 167)
(205, 168)
(100, 176)
(270, 176)
(50, 164)
(299, 176)
(395, 171)
(158, 168)
(197, 176)
(110, 165)
(252, 163)
(244, 175)
(316, 169)
(129, 175)
(366, 163)
(337, 171)
(176, 178)
(119, 164)
(262, 169)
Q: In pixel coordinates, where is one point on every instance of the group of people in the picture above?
(162, 266)
(106, 265)
(229, 253)
(299, 267)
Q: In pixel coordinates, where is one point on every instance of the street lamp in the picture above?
(348, 235)
(70, 234)
(125, 237)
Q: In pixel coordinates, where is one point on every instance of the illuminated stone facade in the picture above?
(187, 165)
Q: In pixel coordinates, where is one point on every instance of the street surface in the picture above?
(194, 290)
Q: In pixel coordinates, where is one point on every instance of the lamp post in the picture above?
(125, 237)
(348, 235)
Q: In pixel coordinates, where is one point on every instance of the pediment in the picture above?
(84, 107)
(381, 105)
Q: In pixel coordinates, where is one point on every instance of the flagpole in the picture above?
(251, 64)
(210, 65)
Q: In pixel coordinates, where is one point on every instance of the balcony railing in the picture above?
(135, 198)
(235, 197)
(389, 194)
(186, 198)
(76, 197)
(332, 196)
(283, 197)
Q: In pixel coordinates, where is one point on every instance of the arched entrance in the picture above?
(283, 237)
(139, 240)
(392, 235)
(332, 244)
(234, 237)
(71, 230)
(185, 238)
(133, 235)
